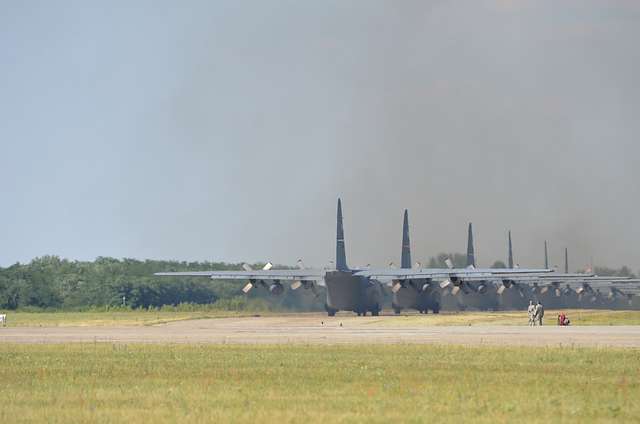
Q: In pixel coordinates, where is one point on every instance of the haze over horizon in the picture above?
(226, 131)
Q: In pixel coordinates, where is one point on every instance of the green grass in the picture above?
(401, 383)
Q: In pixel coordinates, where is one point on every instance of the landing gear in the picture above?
(436, 308)
(330, 311)
(396, 309)
(375, 311)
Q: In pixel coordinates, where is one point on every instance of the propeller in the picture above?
(448, 263)
(247, 288)
(251, 284)
(314, 290)
(445, 283)
(296, 284)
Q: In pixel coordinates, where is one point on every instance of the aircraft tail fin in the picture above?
(566, 260)
(546, 256)
(341, 255)
(471, 258)
(405, 259)
(510, 259)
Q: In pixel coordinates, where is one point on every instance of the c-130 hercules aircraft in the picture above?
(348, 289)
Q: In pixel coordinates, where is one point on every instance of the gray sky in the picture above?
(227, 130)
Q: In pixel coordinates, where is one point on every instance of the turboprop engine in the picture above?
(276, 288)
(307, 285)
(481, 288)
(554, 286)
(568, 291)
(508, 284)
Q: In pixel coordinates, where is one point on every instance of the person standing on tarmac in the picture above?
(531, 312)
(538, 313)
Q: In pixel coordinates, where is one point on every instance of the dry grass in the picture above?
(118, 318)
(577, 316)
(138, 318)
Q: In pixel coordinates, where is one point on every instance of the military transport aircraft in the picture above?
(357, 290)
(566, 289)
(419, 294)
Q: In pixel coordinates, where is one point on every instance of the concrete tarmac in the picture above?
(319, 329)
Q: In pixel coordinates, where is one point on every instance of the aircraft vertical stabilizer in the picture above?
(546, 256)
(471, 259)
(341, 256)
(566, 260)
(510, 259)
(405, 259)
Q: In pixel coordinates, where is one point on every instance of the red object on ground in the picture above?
(562, 319)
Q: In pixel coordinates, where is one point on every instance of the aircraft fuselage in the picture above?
(347, 292)
(412, 296)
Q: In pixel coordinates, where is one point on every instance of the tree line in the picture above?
(50, 282)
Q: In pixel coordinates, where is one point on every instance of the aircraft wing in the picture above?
(435, 273)
(546, 277)
(270, 275)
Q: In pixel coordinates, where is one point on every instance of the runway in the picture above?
(319, 329)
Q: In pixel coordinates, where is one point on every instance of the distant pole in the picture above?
(124, 301)
(566, 260)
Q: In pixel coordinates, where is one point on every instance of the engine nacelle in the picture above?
(482, 288)
(276, 289)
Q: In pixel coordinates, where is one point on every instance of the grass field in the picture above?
(136, 318)
(403, 383)
(118, 318)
